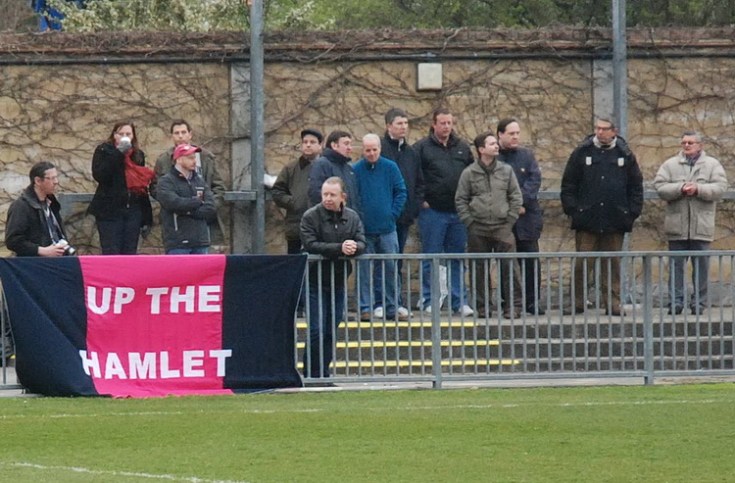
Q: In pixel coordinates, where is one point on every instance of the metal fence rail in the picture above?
(441, 345)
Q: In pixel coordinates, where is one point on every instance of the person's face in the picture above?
(124, 131)
(48, 183)
(332, 196)
(371, 150)
(343, 146)
(491, 148)
(310, 146)
(398, 129)
(511, 138)
(605, 132)
(690, 146)
(189, 163)
(180, 134)
(443, 125)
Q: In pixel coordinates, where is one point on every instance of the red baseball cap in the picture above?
(185, 150)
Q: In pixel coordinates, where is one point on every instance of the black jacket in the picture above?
(529, 225)
(409, 163)
(329, 164)
(442, 167)
(26, 228)
(322, 233)
(602, 189)
(184, 216)
(112, 196)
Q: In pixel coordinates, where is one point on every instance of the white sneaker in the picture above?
(427, 310)
(378, 313)
(403, 312)
(466, 311)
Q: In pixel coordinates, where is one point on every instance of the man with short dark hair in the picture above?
(335, 161)
(691, 183)
(332, 230)
(206, 167)
(488, 201)
(291, 189)
(444, 156)
(34, 226)
(602, 192)
(527, 229)
(187, 205)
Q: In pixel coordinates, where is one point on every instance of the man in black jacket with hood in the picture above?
(602, 191)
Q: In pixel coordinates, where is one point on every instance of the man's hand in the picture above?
(522, 211)
(689, 189)
(51, 251)
(349, 247)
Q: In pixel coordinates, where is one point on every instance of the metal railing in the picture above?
(569, 338)
(443, 344)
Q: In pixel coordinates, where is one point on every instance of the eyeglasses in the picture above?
(689, 143)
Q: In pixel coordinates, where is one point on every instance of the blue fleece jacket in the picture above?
(382, 194)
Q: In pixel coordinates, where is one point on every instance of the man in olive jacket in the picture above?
(488, 201)
(691, 183)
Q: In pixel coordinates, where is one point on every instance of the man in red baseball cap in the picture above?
(187, 205)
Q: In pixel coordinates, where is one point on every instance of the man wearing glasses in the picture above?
(33, 226)
(602, 192)
(691, 183)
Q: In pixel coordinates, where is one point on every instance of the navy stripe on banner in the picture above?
(260, 297)
(45, 298)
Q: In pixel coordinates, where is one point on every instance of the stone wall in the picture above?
(61, 94)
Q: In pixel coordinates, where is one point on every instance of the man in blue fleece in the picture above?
(382, 194)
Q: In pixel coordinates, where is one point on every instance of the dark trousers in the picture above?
(530, 271)
(501, 241)
(325, 315)
(700, 273)
(120, 236)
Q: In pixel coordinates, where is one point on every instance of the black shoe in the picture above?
(535, 310)
(676, 310)
(572, 310)
(697, 310)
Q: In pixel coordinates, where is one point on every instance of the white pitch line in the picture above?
(131, 474)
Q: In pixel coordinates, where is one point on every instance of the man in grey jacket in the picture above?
(488, 202)
(691, 183)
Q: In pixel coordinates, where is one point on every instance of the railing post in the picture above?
(436, 335)
(648, 318)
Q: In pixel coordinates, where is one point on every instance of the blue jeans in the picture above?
(443, 232)
(700, 273)
(188, 251)
(324, 318)
(382, 271)
(120, 236)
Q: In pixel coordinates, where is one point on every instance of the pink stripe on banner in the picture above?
(154, 324)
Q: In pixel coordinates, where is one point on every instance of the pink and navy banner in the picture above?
(140, 326)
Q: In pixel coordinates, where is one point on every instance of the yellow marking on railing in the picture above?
(419, 363)
(366, 344)
(389, 324)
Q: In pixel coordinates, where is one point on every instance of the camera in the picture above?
(68, 249)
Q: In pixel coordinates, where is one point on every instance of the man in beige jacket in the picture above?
(691, 183)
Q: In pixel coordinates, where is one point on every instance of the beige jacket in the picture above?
(690, 217)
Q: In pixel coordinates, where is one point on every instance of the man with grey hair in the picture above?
(691, 183)
(382, 193)
(602, 192)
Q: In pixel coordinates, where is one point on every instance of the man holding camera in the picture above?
(33, 226)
